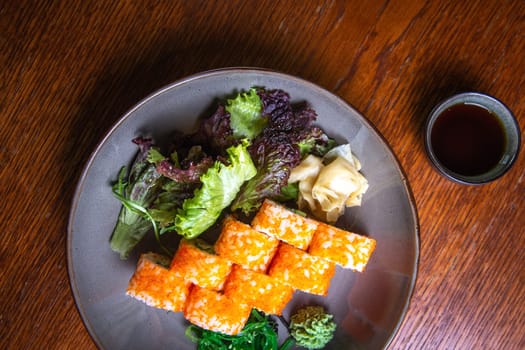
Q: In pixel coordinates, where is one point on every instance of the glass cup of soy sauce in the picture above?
(472, 138)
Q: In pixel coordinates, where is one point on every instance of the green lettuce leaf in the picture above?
(246, 118)
(220, 185)
(136, 190)
(274, 159)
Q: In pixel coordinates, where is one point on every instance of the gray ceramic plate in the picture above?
(368, 307)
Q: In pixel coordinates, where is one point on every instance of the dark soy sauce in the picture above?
(468, 139)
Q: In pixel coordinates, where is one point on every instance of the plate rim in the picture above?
(219, 71)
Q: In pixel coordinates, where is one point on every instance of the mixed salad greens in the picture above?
(240, 155)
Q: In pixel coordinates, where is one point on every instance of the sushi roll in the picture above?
(243, 245)
(344, 248)
(196, 262)
(282, 223)
(154, 284)
(258, 290)
(215, 311)
(301, 270)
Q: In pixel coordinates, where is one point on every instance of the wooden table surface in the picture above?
(70, 69)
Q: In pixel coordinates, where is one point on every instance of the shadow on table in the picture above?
(130, 75)
(438, 82)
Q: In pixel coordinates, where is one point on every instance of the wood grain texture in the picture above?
(70, 69)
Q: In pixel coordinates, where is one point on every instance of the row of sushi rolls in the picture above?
(249, 266)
